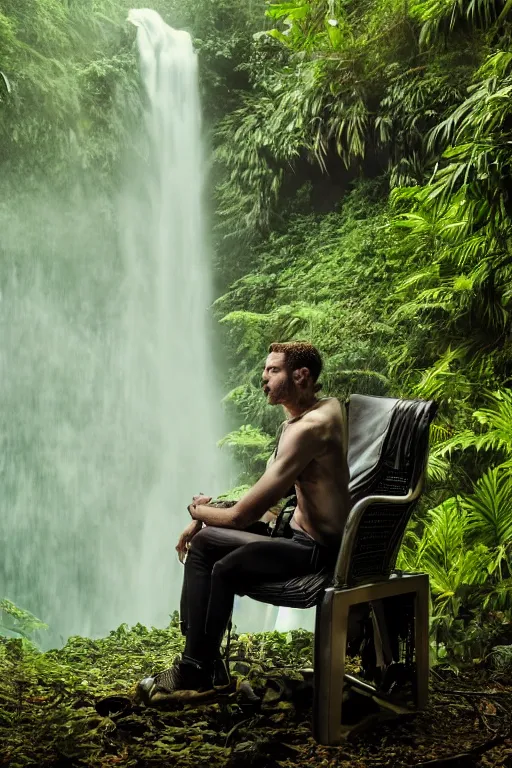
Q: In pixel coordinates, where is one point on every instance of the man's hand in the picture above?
(201, 499)
(197, 501)
(186, 537)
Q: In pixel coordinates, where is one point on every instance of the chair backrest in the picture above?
(387, 454)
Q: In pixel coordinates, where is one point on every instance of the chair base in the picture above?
(330, 650)
(388, 713)
(387, 702)
(389, 709)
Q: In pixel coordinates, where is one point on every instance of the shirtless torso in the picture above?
(322, 485)
(311, 455)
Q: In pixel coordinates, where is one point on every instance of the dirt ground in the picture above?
(74, 707)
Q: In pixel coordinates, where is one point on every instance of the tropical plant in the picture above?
(489, 516)
(251, 448)
(459, 574)
(441, 19)
(17, 621)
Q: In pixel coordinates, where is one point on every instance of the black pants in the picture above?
(220, 561)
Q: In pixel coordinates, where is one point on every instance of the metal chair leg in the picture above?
(322, 652)
(421, 641)
(331, 643)
(330, 650)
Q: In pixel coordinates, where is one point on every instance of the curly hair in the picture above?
(299, 354)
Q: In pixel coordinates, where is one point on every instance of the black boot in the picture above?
(187, 680)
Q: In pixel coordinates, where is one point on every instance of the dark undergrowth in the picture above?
(74, 707)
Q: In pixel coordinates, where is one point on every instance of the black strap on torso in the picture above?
(282, 525)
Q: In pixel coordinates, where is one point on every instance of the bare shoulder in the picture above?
(320, 422)
(305, 437)
(328, 413)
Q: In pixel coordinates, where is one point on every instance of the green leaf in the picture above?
(291, 10)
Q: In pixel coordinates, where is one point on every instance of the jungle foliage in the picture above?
(74, 706)
(361, 199)
(368, 189)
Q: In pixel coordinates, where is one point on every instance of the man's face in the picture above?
(276, 379)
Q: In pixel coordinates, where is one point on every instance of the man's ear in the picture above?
(300, 375)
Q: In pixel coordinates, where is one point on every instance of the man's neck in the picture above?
(296, 409)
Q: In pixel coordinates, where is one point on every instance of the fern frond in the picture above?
(489, 508)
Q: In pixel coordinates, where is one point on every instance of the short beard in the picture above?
(282, 392)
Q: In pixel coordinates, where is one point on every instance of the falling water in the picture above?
(168, 293)
(110, 410)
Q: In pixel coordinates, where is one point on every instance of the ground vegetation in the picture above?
(74, 707)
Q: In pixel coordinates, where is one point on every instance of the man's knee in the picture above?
(202, 540)
(217, 540)
(223, 539)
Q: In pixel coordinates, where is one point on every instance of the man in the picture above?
(222, 555)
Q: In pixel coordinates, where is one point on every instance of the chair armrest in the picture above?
(353, 522)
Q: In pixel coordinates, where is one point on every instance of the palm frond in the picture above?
(489, 508)
(497, 419)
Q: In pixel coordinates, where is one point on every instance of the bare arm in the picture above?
(298, 447)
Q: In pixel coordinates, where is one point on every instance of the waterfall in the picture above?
(111, 412)
(168, 290)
